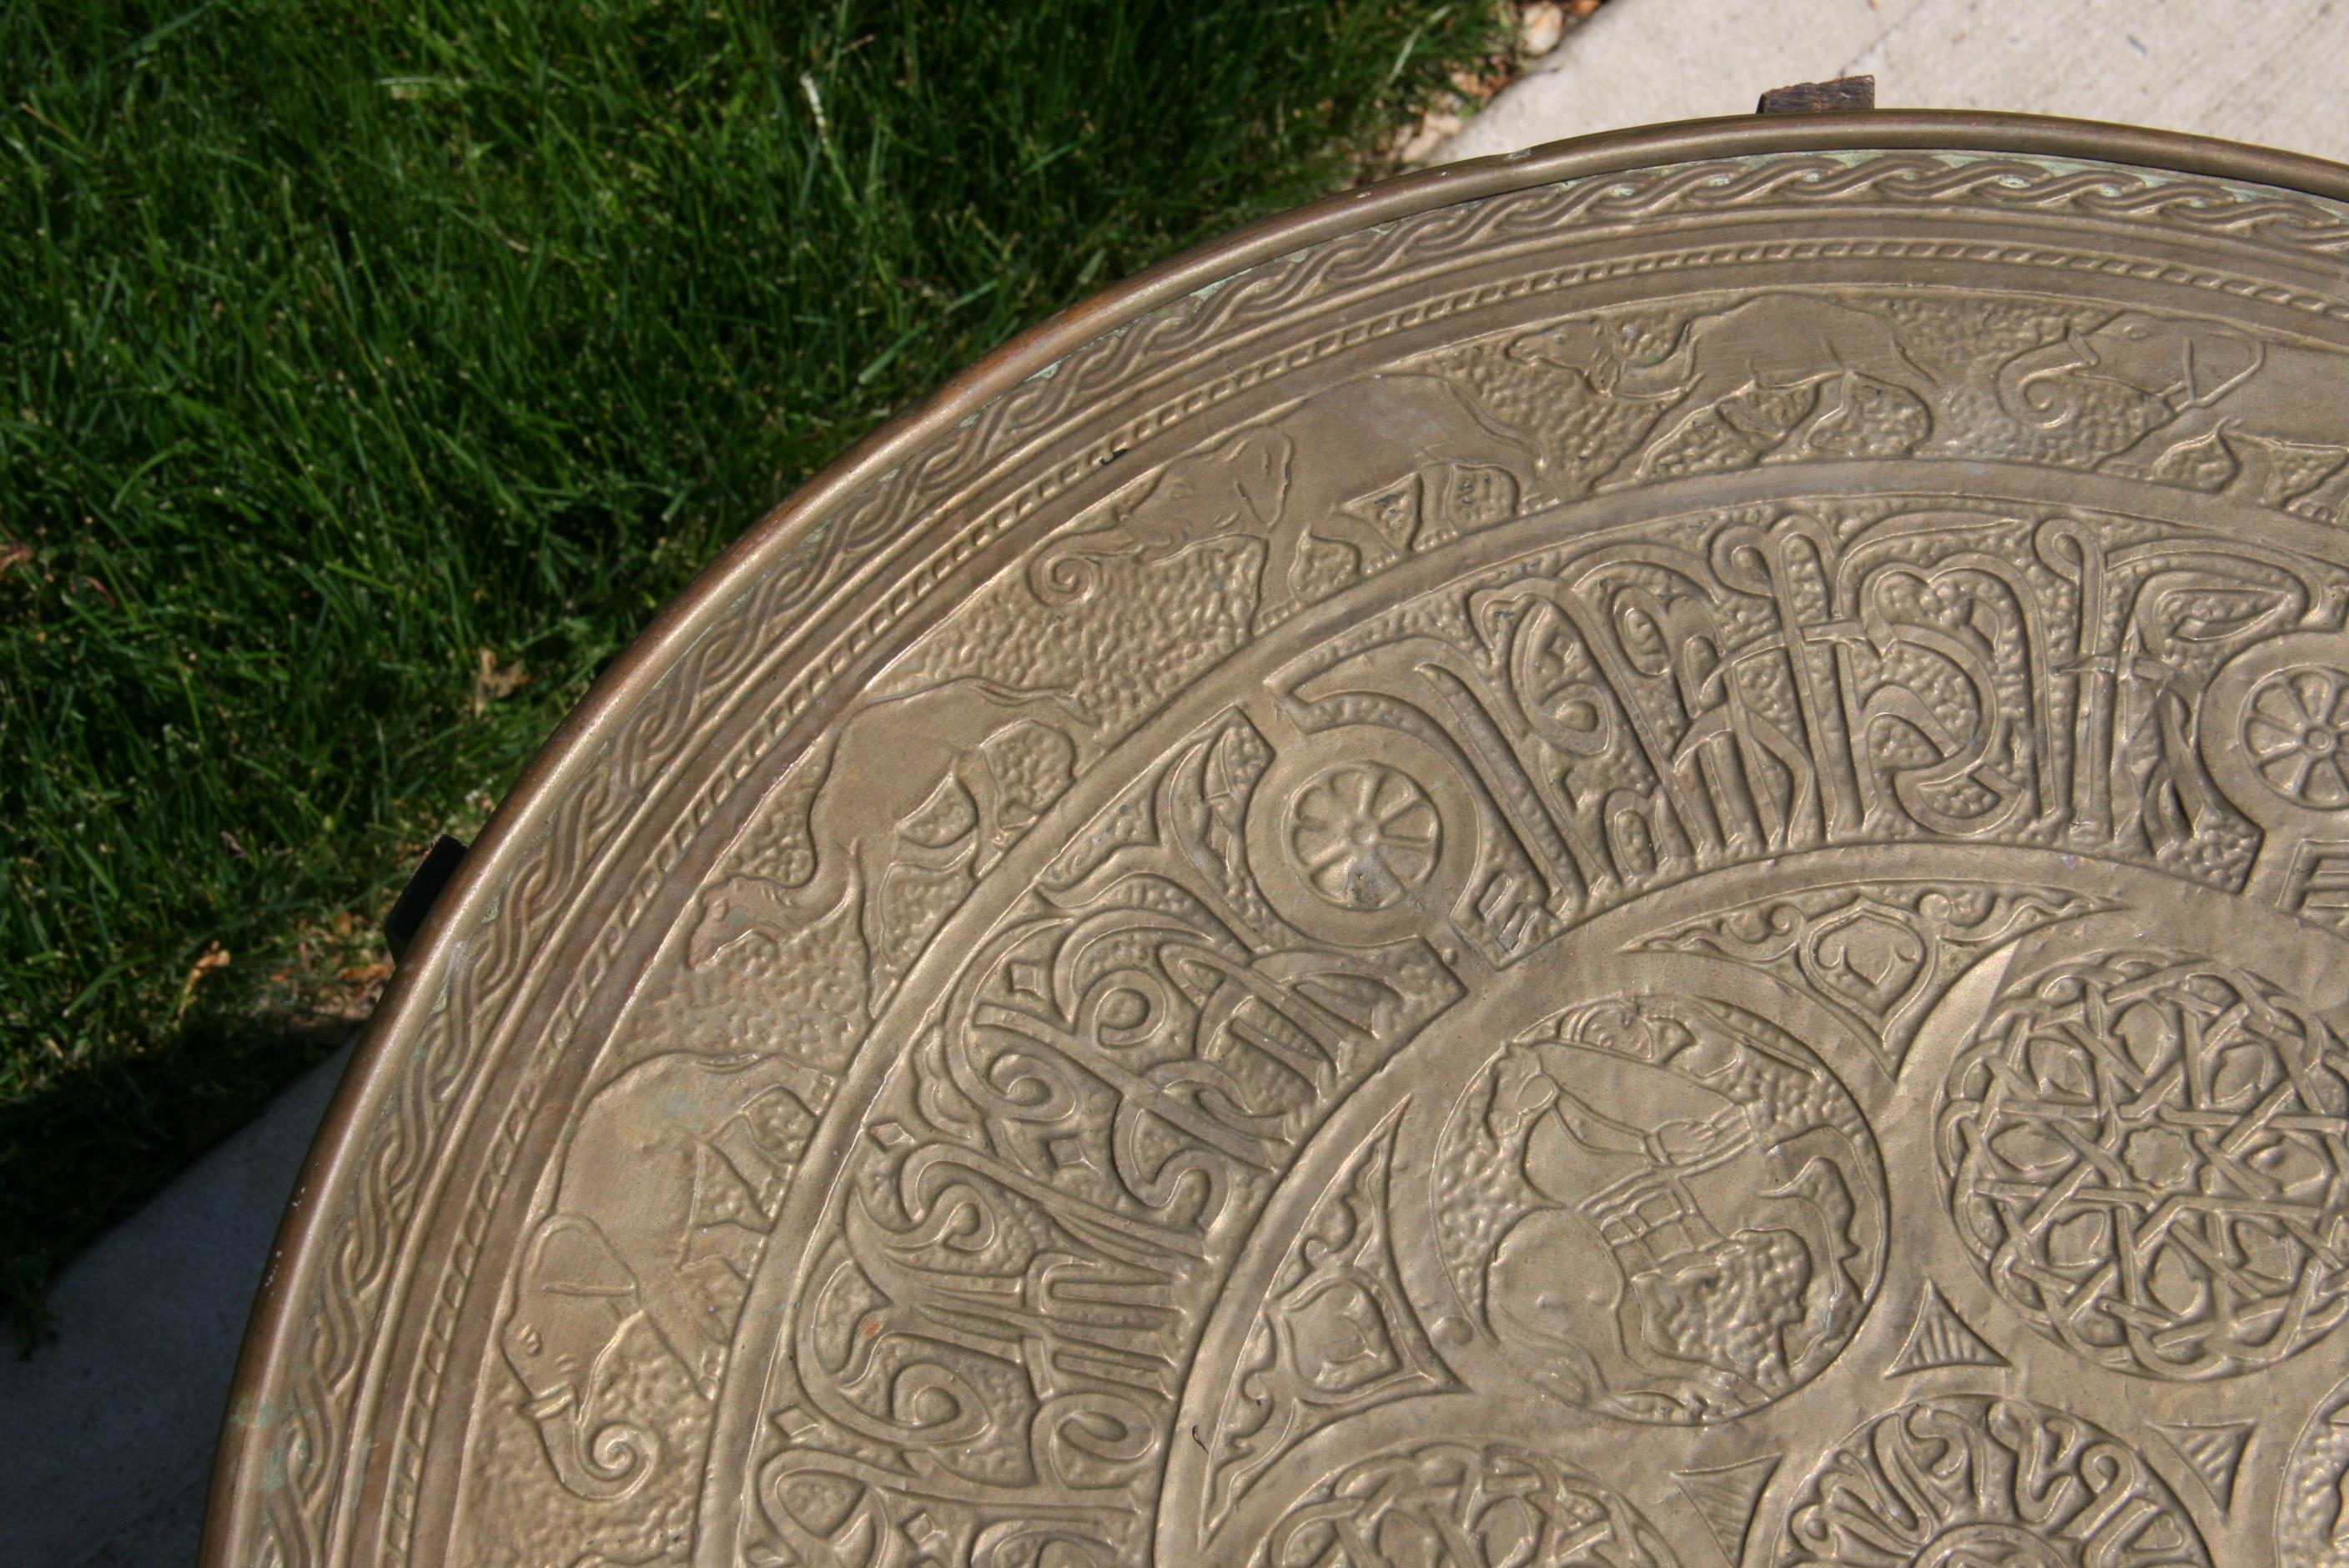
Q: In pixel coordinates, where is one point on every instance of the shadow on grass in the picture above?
(84, 1152)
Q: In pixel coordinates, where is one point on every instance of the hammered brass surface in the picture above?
(1640, 857)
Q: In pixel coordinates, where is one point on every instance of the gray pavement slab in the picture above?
(2263, 71)
(116, 1420)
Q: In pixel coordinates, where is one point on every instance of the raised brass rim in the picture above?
(334, 1153)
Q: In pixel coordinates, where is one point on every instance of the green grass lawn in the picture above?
(370, 372)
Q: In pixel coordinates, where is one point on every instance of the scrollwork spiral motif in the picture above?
(1977, 1483)
(1465, 1506)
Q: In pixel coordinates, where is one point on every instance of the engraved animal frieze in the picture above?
(2145, 1154)
(2263, 401)
(1966, 1481)
(883, 781)
(573, 1302)
(1847, 362)
(1375, 469)
(669, 1183)
(1464, 1504)
(1663, 1211)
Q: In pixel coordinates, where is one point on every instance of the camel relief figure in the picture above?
(2217, 383)
(1381, 465)
(893, 758)
(1771, 343)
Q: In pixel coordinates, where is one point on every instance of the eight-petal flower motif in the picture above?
(1364, 834)
(2295, 729)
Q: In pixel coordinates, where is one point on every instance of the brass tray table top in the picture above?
(1638, 855)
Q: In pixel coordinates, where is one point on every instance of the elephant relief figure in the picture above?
(892, 760)
(2216, 380)
(1381, 465)
(668, 1185)
(1771, 343)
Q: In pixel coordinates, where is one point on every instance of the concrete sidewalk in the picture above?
(2265, 71)
(117, 1417)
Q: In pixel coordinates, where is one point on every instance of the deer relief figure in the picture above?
(894, 760)
(1850, 358)
(2267, 404)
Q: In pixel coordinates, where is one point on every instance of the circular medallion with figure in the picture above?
(1666, 1209)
